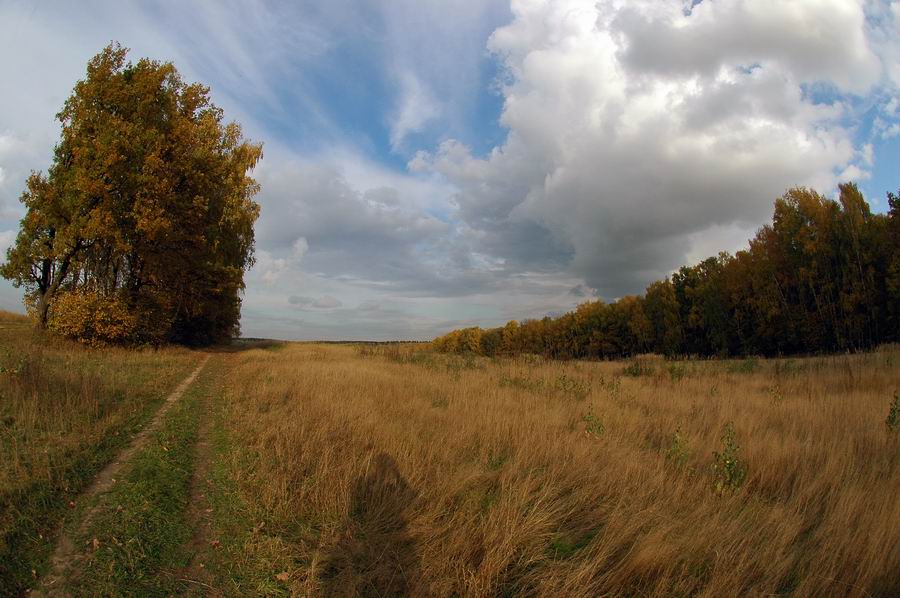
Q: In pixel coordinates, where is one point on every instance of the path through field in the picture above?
(199, 508)
(65, 554)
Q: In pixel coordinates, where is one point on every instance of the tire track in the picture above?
(66, 553)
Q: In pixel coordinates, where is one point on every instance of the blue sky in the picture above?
(430, 165)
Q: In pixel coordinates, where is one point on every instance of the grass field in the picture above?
(304, 469)
(65, 411)
(378, 472)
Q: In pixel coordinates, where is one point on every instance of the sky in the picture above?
(430, 165)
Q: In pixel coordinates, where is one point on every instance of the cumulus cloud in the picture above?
(367, 226)
(821, 40)
(635, 127)
(271, 269)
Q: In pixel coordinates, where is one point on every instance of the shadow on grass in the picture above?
(375, 555)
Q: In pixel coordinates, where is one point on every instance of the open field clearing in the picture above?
(313, 470)
(359, 471)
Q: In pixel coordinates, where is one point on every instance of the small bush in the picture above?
(893, 418)
(678, 452)
(677, 371)
(13, 366)
(459, 362)
(635, 369)
(521, 382)
(577, 389)
(439, 400)
(592, 424)
(496, 460)
(744, 366)
(532, 359)
(729, 471)
(642, 365)
(94, 319)
(788, 367)
(776, 394)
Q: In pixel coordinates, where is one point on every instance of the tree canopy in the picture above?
(142, 228)
(823, 276)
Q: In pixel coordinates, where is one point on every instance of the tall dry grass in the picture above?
(64, 411)
(383, 471)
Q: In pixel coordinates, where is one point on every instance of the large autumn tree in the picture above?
(142, 228)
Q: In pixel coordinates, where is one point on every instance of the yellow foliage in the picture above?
(92, 318)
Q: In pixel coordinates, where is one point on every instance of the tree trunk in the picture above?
(43, 310)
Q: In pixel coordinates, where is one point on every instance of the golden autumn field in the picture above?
(382, 470)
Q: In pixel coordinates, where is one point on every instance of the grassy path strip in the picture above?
(233, 552)
(66, 552)
(198, 514)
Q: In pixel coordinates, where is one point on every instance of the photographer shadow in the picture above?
(375, 556)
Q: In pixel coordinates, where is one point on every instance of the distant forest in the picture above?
(823, 277)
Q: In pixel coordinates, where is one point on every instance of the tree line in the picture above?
(824, 276)
(142, 228)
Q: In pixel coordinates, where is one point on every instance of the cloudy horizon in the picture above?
(430, 166)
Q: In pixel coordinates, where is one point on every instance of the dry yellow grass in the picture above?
(387, 471)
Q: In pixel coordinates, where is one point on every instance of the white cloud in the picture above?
(271, 269)
(814, 40)
(634, 128)
(299, 249)
(417, 107)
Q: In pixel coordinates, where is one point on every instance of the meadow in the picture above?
(359, 470)
(390, 470)
(65, 410)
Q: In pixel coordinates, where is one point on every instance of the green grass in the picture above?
(564, 546)
(248, 556)
(65, 412)
(137, 539)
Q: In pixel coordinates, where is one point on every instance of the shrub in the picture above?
(744, 366)
(787, 367)
(636, 368)
(13, 366)
(729, 471)
(893, 418)
(677, 371)
(578, 389)
(678, 452)
(612, 386)
(593, 425)
(776, 394)
(521, 382)
(459, 362)
(642, 365)
(91, 318)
